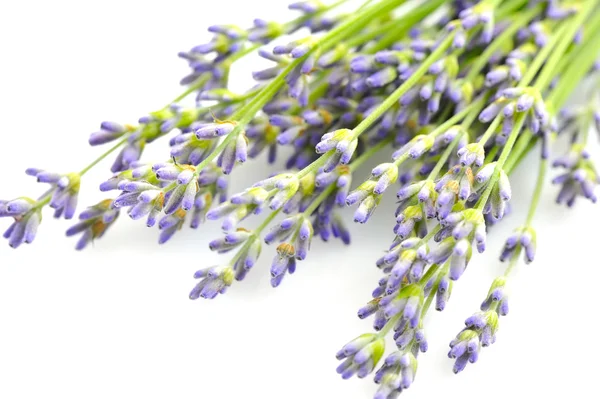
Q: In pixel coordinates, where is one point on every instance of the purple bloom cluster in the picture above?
(459, 92)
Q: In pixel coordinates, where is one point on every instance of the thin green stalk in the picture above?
(491, 129)
(318, 200)
(509, 7)
(434, 288)
(503, 157)
(566, 33)
(101, 157)
(513, 261)
(246, 113)
(368, 153)
(578, 68)
(537, 193)
(542, 56)
(255, 236)
(429, 274)
(403, 24)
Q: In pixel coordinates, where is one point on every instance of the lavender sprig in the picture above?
(460, 96)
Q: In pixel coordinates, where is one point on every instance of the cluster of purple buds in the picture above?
(27, 217)
(370, 192)
(580, 178)
(480, 331)
(213, 281)
(94, 221)
(405, 261)
(396, 374)
(482, 14)
(295, 234)
(340, 145)
(481, 328)
(64, 190)
(523, 238)
(501, 192)
(283, 191)
(360, 356)
(518, 103)
(497, 298)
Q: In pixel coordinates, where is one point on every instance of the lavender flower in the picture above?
(94, 221)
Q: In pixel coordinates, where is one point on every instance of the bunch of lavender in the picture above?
(461, 90)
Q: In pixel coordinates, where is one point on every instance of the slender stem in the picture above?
(513, 261)
(537, 193)
(509, 7)
(388, 326)
(255, 236)
(503, 157)
(42, 202)
(578, 68)
(101, 157)
(319, 199)
(566, 33)
(490, 130)
(434, 289)
(541, 57)
(247, 112)
(197, 84)
(525, 144)
(402, 25)
(368, 153)
(430, 273)
(393, 98)
(491, 154)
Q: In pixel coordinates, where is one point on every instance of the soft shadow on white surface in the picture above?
(114, 320)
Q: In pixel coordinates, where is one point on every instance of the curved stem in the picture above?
(537, 193)
(101, 157)
(503, 157)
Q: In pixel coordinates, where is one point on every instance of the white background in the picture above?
(114, 321)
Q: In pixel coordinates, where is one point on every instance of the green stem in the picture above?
(565, 34)
(491, 130)
(368, 153)
(404, 23)
(509, 7)
(537, 193)
(101, 157)
(42, 202)
(513, 261)
(198, 83)
(578, 68)
(319, 199)
(503, 157)
(542, 56)
(255, 236)
(491, 154)
(393, 98)
(524, 145)
(429, 274)
(434, 289)
(247, 112)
